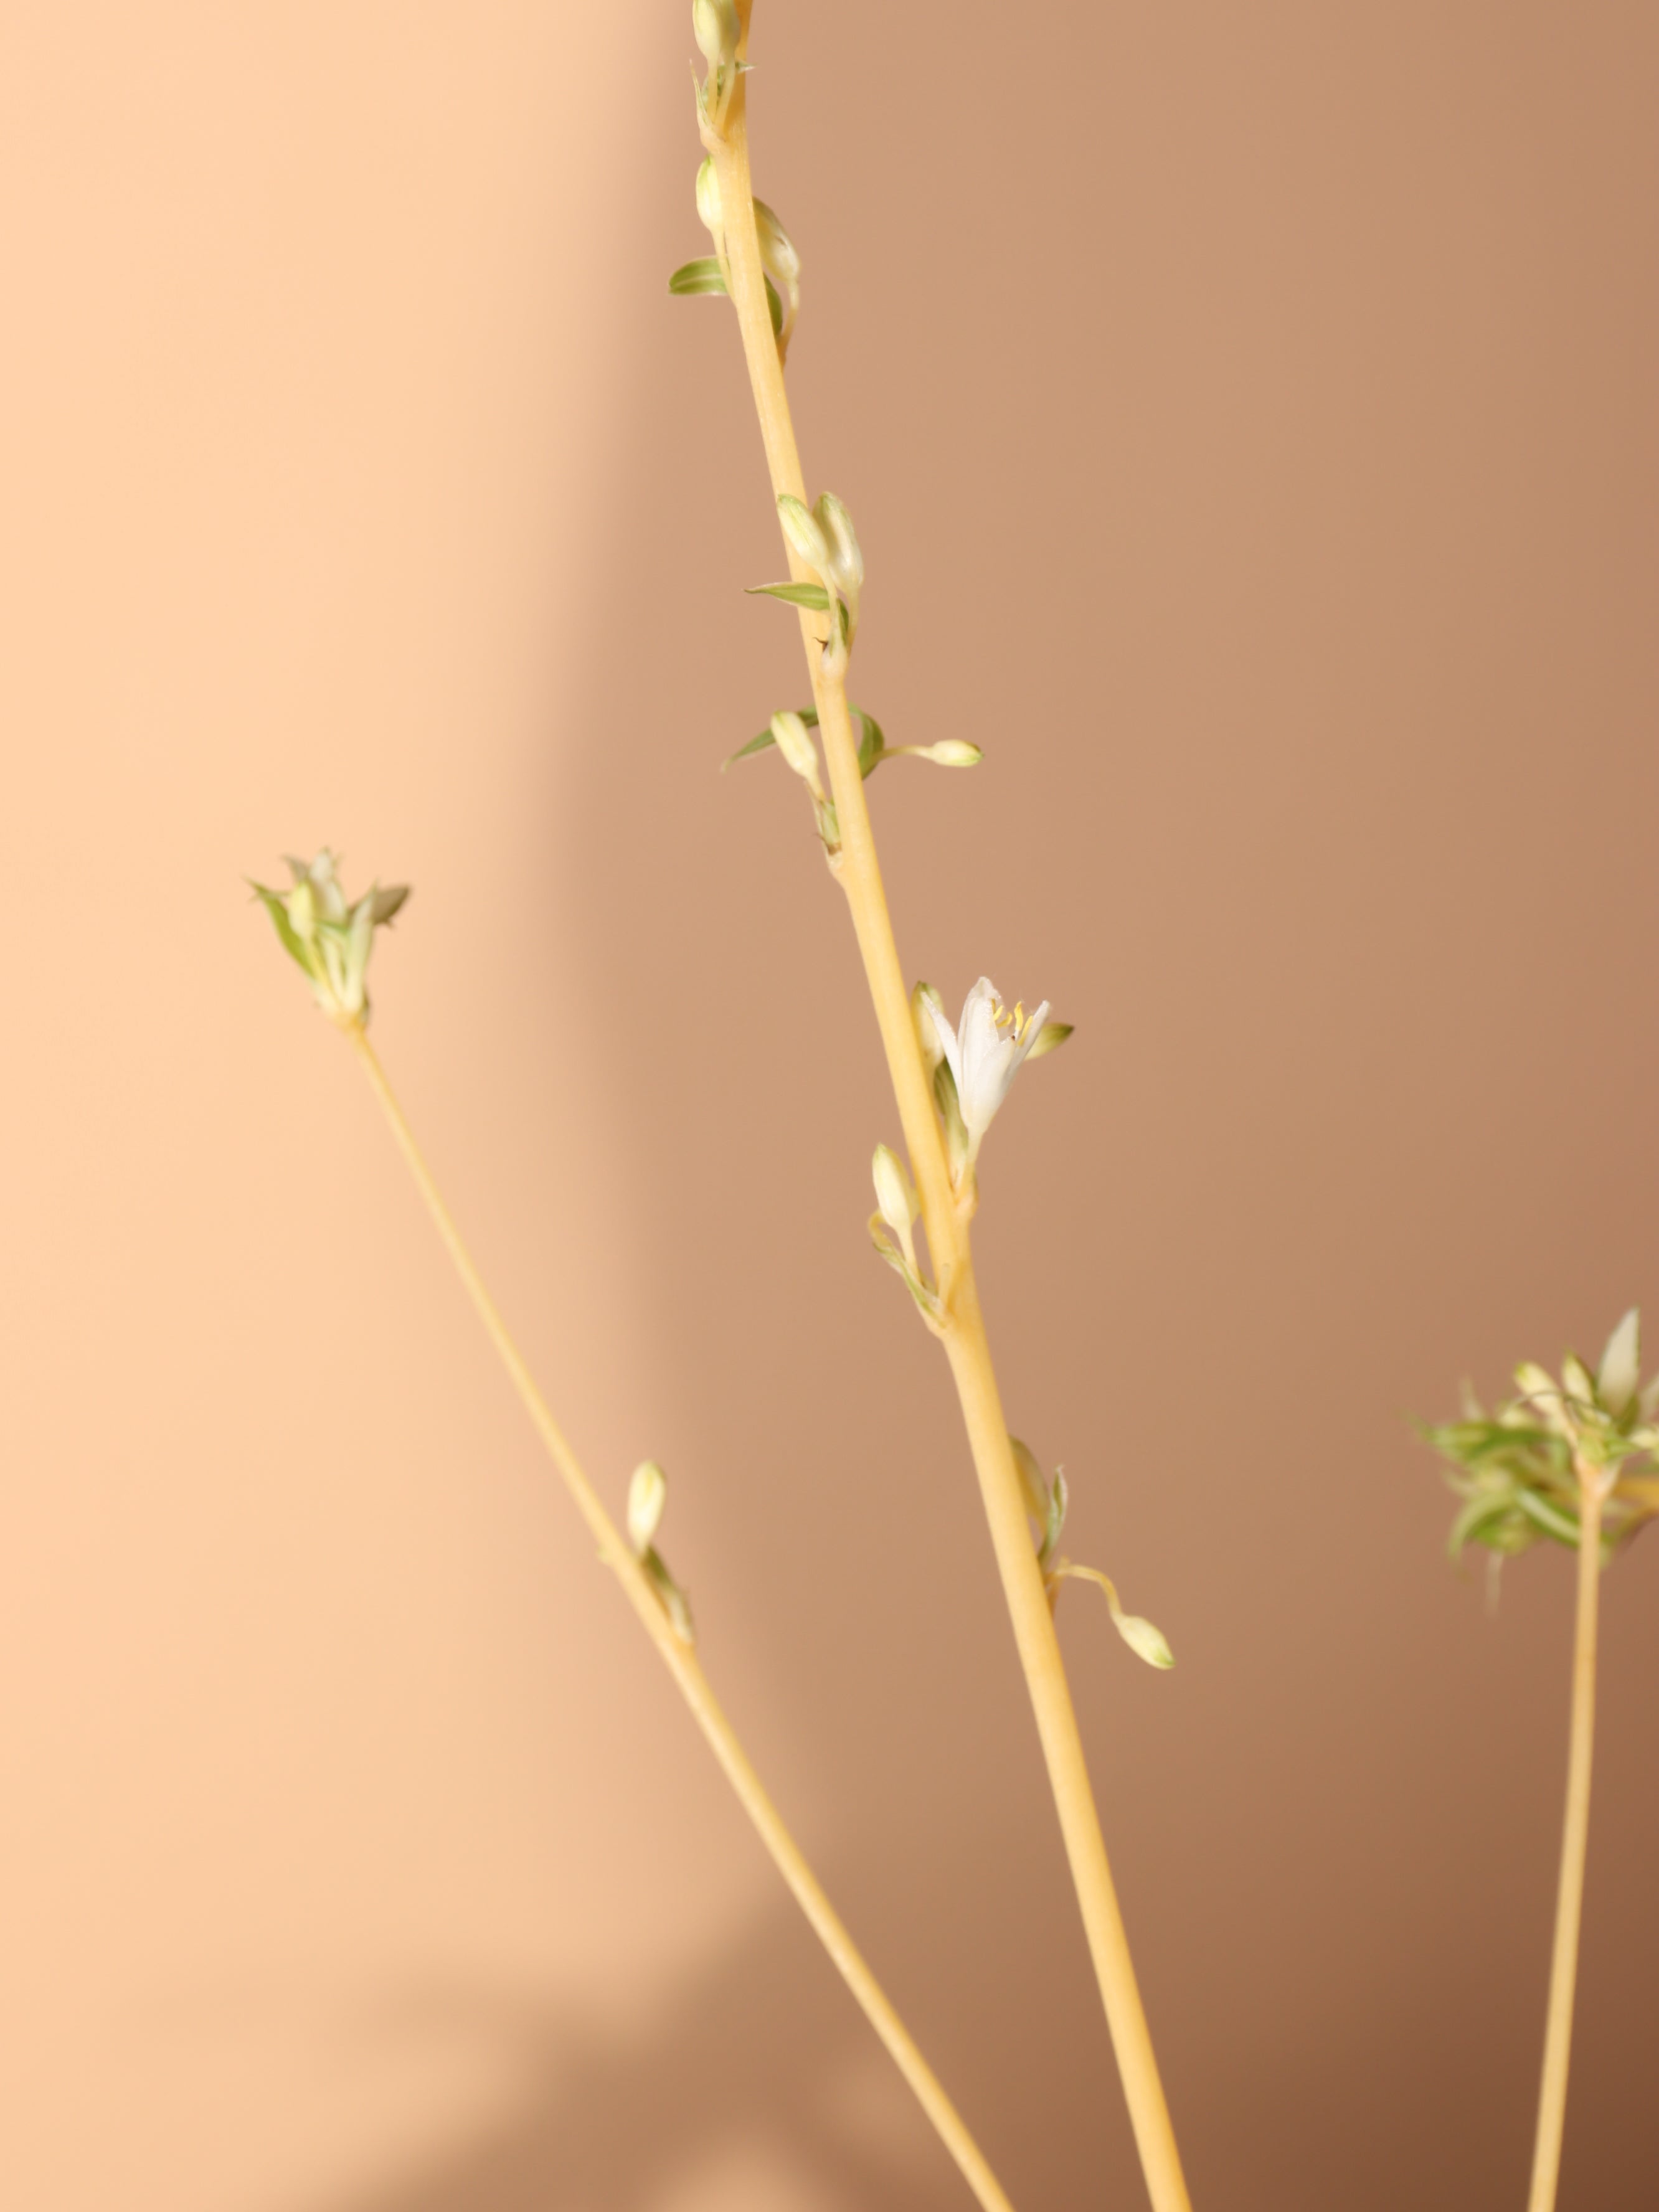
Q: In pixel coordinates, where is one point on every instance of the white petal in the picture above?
(947, 1042)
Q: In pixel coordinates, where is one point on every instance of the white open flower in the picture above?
(985, 1051)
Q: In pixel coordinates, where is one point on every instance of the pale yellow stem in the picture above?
(1575, 1842)
(946, 1224)
(681, 1663)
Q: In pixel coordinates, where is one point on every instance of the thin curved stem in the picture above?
(963, 1328)
(1575, 1844)
(683, 1664)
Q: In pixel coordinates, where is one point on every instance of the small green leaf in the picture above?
(276, 909)
(873, 746)
(762, 738)
(1059, 1498)
(388, 901)
(1550, 1518)
(1050, 1037)
(1478, 1520)
(775, 306)
(797, 595)
(693, 278)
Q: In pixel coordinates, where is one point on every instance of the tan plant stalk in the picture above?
(681, 1660)
(961, 1325)
(1575, 1840)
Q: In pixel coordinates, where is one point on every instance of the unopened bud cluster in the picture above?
(329, 938)
(1524, 1469)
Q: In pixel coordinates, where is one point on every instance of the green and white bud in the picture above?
(714, 27)
(708, 198)
(927, 1011)
(804, 533)
(1032, 1481)
(328, 937)
(1146, 1642)
(1620, 1371)
(949, 752)
(648, 1494)
(896, 1197)
(1576, 1379)
(778, 254)
(789, 735)
(846, 561)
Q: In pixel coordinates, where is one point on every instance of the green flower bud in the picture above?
(846, 561)
(949, 752)
(789, 735)
(895, 1197)
(778, 254)
(804, 533)
(1620, 1371)
(708, 198)
(648, 1494)
(714, 27)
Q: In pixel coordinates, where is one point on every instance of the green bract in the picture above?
(1521, 1470)
(330, 939)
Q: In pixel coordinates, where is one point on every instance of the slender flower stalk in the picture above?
(1575, 1842)
(1569, 1462)
(639, 1570)
(944, 1210)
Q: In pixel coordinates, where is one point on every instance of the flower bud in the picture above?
(778, 254)
(927, 1011)
(648, 1494)
(714, 27)
(1620, 1371)
(789, 735)
(708, 198)
(1146, 1642)
(895, 1192)
(846, 561)
(804, 533)
(1031, 1481)
(1575, 1376)
(949, 752)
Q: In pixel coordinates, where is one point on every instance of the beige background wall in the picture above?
(1248, 415)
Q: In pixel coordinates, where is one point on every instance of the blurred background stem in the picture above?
(1575, 1840)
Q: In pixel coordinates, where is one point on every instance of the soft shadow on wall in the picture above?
(1218, 472)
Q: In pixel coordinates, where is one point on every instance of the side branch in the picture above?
(1575, 1844)
(681, 1660)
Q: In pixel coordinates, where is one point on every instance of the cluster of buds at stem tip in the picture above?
(973, 1065)
(715, 27)
(892, 1230)
(647, 1495)
(1525, 1470)
(1047, 1507)
(328, 937)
